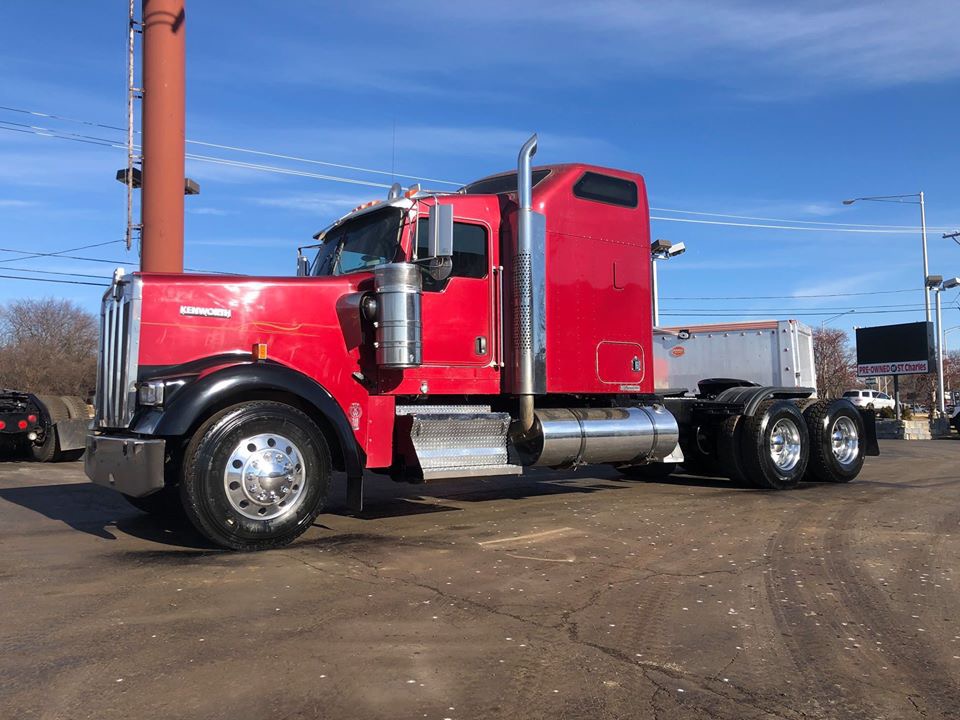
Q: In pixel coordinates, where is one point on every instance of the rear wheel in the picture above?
(775, 445)
(255, 476)
(49, 450)
(836, 449)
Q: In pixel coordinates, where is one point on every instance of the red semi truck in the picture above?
(433, 335)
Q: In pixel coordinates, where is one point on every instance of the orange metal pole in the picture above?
(164, 118)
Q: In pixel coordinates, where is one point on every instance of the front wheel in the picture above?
(775, 445)
(836, 448)
(255, 476)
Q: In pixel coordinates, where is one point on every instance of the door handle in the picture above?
(480, 345)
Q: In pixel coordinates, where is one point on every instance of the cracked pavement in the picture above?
(555, 595)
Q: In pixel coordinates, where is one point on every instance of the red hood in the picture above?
(187, 318)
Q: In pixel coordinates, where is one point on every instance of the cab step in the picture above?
(441, 442)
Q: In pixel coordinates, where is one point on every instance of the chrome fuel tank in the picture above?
(565, 437)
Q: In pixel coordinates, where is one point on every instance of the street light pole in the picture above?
(660, 250)
(923, 233)
(938, 288)
(655, 290)
(941, 406)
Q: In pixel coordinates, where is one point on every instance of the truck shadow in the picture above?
(98, 511)
(103, 513)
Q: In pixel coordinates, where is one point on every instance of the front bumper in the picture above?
(131, 465)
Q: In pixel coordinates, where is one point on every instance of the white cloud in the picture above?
(324, 204)
(853, 283)
(208, 211)
(254, 242)
(766, 50)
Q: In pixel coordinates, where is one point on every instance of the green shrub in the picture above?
(886, 413)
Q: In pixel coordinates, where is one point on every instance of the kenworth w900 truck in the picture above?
(432, 335)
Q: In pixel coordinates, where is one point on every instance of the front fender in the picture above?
(200, 398)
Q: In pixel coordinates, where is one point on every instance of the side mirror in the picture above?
(303, 266)
(440, 232)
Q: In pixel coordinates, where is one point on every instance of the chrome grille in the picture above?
(118, 353)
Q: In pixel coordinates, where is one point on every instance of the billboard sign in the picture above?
(905, 349)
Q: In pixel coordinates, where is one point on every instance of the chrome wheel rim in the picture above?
(785, 444)
(264, 477)
(844, 440)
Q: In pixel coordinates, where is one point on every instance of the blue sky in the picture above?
(767, 110)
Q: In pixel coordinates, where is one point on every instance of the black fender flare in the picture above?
(751, 396)
(190, 403)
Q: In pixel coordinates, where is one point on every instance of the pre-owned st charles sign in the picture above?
(905, 349)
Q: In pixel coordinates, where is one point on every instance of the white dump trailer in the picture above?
(767, 352)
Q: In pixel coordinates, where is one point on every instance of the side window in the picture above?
(606, 189)
(470, 257)
(883, 396)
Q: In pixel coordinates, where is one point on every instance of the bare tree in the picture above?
(834, 361)
(48, 346)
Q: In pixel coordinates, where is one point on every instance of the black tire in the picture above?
(76, 407)
(221, 517)
(757, 448)
(49, 450)
(830, 463)
(728, 448)
(163, 504)
(653, 471)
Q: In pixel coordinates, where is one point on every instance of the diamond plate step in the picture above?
(438, 445)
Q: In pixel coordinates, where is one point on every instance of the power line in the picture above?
(795, 222)
(61, 255)
(817, 311)
(65, 274)
(61, 282)
(767, 313)
(282, 170)
(783, 297)
(782, 227)
(235, 148)
(59, 252)
(800, 225)
(792, 224)
(73, 137)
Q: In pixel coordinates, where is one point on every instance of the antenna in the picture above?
(393, 152)
(131, 176)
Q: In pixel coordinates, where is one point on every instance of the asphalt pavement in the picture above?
(555, 595)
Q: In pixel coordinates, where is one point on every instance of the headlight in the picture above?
(150, 393)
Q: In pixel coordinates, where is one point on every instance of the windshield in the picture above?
(360, 244)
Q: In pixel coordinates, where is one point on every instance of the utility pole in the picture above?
(164, 140)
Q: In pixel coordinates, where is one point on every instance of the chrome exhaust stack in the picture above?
(528, 370)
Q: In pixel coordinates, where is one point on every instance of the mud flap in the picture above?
(72, 434)
(870, 444)
(355, 492)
